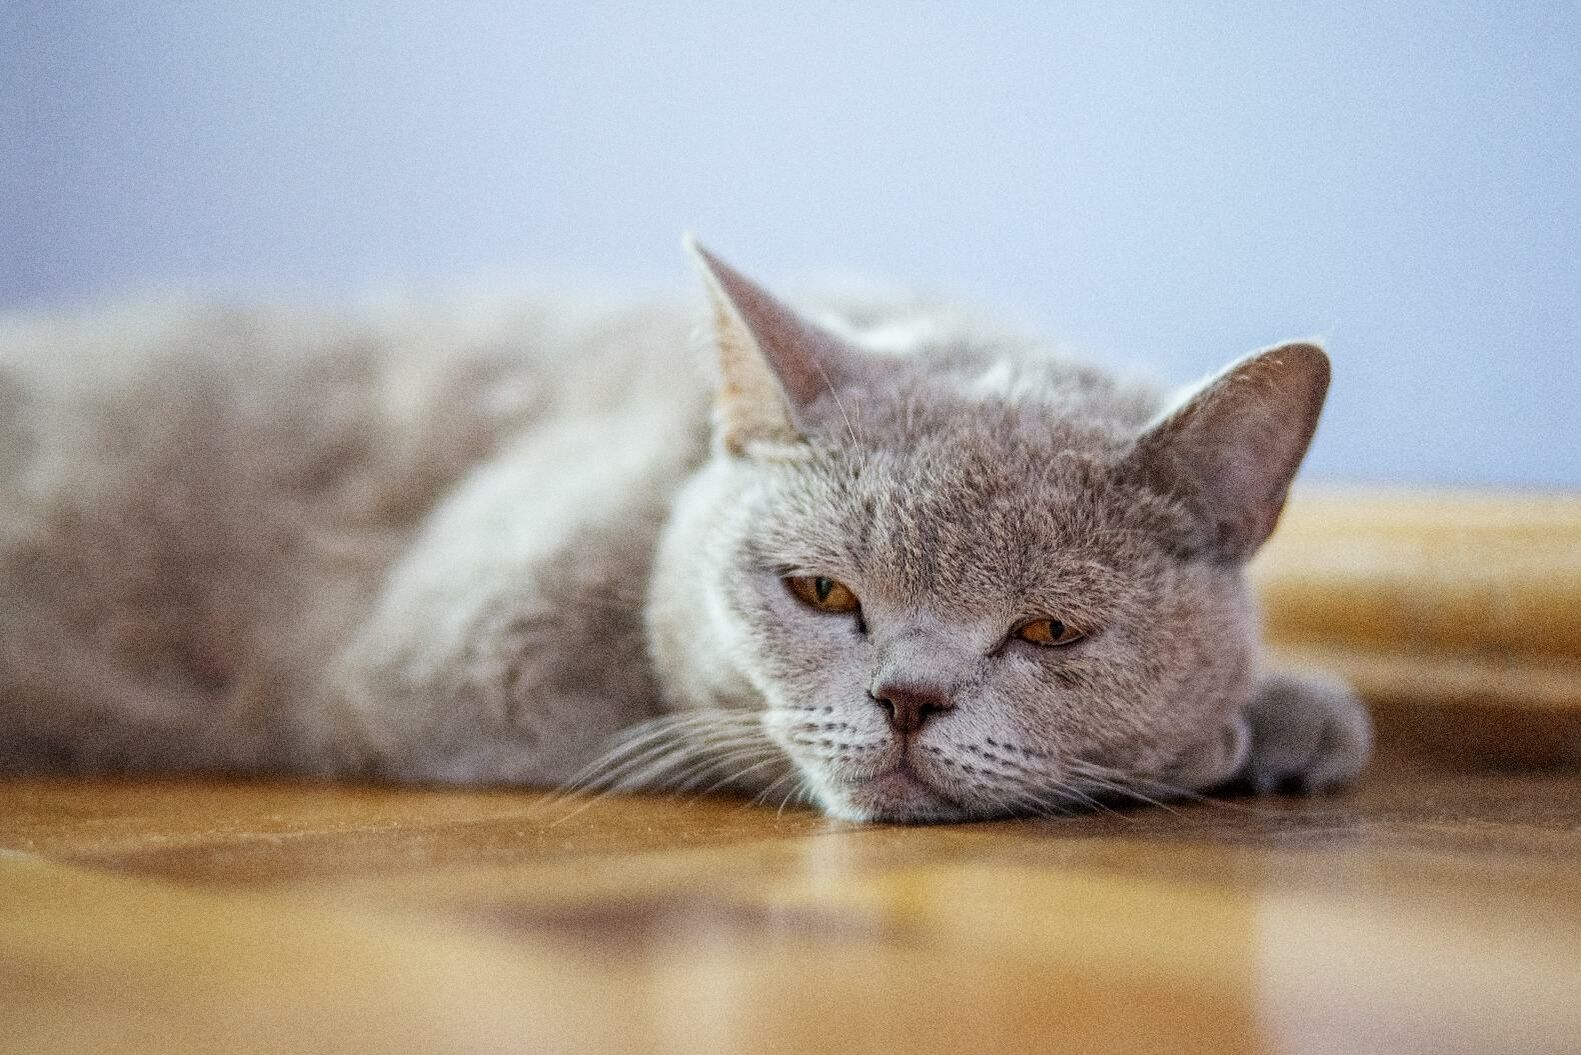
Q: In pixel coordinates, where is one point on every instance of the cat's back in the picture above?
(305, 402)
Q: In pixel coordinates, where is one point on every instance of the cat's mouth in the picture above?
(900, 793)
(899, 782)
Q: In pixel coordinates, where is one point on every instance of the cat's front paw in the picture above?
(1309, 734)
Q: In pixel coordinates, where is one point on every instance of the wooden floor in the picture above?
(1431, 910)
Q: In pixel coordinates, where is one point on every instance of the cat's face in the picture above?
(1002, 628)
(963, 587)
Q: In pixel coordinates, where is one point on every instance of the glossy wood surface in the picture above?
(1430, 910)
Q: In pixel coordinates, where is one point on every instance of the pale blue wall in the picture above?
(1168, 182)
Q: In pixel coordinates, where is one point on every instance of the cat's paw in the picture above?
(1309, 734)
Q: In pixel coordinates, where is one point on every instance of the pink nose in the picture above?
(908, 704)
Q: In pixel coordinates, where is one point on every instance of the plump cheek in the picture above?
(1220, 651)
(1084, 708)
(1134, 697)
(802, 660)
(1198, 667)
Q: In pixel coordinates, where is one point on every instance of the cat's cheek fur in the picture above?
(811, 670)
(1202, 672)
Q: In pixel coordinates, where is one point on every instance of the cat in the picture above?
(875, 554)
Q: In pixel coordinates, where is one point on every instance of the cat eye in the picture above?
(823, 593)
(1050, 633)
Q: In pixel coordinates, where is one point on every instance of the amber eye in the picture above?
(1050, 633)
(823, 593)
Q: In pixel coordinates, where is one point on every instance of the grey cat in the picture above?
(913, 569)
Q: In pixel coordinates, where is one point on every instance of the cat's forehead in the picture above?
(955, 514)
(989, 484)
(964, 469)
(991, 427)
(1012, 400)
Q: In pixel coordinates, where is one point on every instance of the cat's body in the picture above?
(481, 548)
(202, 508)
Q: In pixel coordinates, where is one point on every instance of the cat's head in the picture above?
(971, 579)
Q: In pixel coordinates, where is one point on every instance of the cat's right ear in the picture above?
(776, 369)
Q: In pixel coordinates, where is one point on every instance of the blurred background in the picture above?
(1154, 183)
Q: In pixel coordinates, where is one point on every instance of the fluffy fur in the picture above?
(511, 546)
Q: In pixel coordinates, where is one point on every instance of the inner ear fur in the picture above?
(774, 365)
(1234, 446)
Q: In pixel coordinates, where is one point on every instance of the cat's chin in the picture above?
(895, 796)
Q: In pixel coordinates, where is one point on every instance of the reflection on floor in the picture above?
(1433, 910)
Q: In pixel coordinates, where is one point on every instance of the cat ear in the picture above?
(774, 365)
(1236, 443)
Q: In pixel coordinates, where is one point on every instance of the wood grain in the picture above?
(1427, 911)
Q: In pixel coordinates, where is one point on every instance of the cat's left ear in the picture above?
(1233, 447)
(777, 369)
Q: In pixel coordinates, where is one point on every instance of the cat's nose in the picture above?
(909, 703)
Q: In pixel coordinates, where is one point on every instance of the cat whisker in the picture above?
(735, 777)
(653, 765)
(638, 738)
(672, 770)
(1017, 802)
(1205, 799)
(1129, 786)
(595, 790)
(610, 771)
(649, 751)
(762, 797)
(709, 764)
(1062, 795)
(799, 791)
